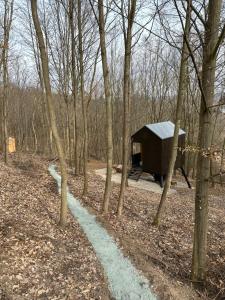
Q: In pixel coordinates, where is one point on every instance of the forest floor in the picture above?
(163, 254)
(38, 260)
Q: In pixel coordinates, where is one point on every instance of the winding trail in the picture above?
(125, 283)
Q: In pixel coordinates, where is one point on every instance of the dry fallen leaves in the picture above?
(166, 250)
(38, 259)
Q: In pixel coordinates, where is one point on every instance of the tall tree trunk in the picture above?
(51, 110)
(8, 12)
(204, 143)
(34, 43)
(108, 184)
(5, 105)
(68, 133)
(126, 102)
(83, 99)
(74, 87)
(180, 100)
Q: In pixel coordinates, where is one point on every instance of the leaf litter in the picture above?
(38, 259)
(163, 254)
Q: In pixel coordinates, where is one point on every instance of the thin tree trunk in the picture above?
(108, 184)
(5, 108)
(68, 134)
(51, 110)
(34, 42)
(221, 162)
(8, 12)
(83, 101)
(204, 143)
(74, 87)
(212, 163)
(126, 103)
(34, 133)
(76, 133)
(180, 101)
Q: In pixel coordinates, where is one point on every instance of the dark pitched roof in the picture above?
(163, 130)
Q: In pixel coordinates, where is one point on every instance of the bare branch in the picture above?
(219, 42)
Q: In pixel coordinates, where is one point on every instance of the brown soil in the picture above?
(38, 259)
(163, 254)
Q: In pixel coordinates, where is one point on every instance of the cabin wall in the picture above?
(155, 152)
(166, 153)
(180, 156)
(151, 155)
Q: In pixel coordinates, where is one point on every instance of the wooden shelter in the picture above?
(155, 148)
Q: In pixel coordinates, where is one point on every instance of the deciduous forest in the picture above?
(112, 149)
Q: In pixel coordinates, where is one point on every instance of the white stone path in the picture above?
(140, 184)
(125, 282)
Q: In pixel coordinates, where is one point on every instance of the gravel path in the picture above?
(125, 282)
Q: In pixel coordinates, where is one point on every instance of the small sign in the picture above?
(12, 145)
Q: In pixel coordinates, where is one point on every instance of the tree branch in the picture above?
(198, 15)
(219, 42)
(192, 57)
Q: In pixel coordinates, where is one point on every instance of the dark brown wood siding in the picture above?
(151, 155)
(166, 152)
(155, 152)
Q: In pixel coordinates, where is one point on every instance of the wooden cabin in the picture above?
(155, 147)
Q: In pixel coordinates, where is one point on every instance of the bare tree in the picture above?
(211, 44)
(51, 110)
(8, 13)
(105, 68)
(126, 98)
(74, 79)
(83, 99)
(180, 101)
(36, 52)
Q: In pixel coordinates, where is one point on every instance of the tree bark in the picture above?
(83, 101)
(34, 133)
(51, 110)
(126, 103)
(8, 12)
(204, 143)
(221, 162)
(74, 87)
(108, 184)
